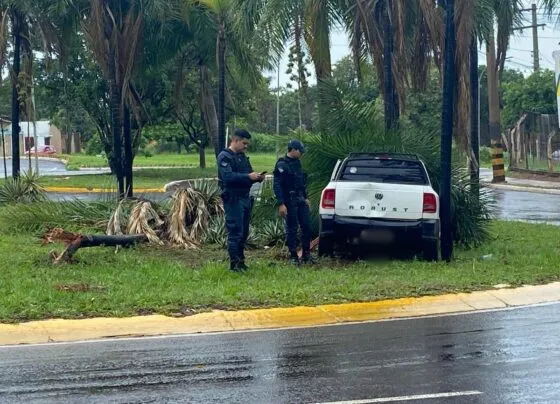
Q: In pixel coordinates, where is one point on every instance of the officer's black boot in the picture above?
(308, 259)
(234, 266)
(294, 260)
(241, 265)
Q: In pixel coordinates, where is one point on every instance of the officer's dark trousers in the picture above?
(298, 213)
(238, 217)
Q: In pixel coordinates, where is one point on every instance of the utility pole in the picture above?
(278, 102)
(448, 105)
(534, 26)
(278, 109)
(475, 117)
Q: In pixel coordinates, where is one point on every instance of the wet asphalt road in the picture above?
(46, 167)
(528, 206)
(504, 357)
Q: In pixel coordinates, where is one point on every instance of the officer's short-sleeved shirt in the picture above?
(233, 170)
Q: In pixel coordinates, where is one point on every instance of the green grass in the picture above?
(76, 161)
(145, 178)
(150, 280)
(150, 177)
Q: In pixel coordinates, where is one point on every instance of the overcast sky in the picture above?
(520, 54)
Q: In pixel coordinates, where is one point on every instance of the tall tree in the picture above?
(114, 31)
(271, 23)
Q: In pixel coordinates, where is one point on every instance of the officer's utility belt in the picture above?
(296, 196)
(233, 195)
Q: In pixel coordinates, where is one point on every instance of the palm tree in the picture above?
(221, 12)
(276, 21)
(26, 19)
(222, 19)
(113, 30)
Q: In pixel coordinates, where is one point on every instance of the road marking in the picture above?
(408, 398)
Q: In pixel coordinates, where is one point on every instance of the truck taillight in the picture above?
(430, 203)
(329, 196)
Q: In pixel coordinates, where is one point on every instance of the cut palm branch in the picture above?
(75, 241)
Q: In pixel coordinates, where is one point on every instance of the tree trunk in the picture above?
(221, 46)
(208, 108)
(475, 147)
(128, 155)
(98, 241)
(116, 122)
(319, 46)
(390, 96)
(449, 82)
(302, 90)
(16, 28)
(493, 95)
(202, 155)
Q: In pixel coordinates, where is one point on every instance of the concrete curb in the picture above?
(223, 321)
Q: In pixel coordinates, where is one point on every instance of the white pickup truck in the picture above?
(380, 198)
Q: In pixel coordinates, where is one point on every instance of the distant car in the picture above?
(380, 198)
(47, 149)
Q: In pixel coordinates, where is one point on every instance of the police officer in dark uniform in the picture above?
(236, 176)
(290, 188)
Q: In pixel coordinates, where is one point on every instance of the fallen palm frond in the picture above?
(186, 223)
(180, 219)
(116, 223)
(143, 219)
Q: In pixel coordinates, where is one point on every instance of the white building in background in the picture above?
(47, 135)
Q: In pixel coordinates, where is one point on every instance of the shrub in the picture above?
(24, 189)
(94, 146)
(263, 143)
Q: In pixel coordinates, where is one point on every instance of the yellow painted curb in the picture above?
(220, 321)
(99, 190)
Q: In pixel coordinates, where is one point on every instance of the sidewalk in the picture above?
(259, 319)
(519, 184)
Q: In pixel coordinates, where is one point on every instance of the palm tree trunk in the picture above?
(116, 122)
(390, 96)
(305, 112)
(221, 46)
(208, 108)
(475, 116)
(16, 28)
(493, 85)
(128, 155)
(318, 44)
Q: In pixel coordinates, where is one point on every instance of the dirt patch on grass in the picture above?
(80, 287)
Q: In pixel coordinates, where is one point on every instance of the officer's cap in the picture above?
(296, 145)
(242, 133)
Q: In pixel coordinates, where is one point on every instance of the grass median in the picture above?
(180, 167)
(150, 279)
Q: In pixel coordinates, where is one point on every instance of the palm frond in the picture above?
(117, 221)
(145, 220)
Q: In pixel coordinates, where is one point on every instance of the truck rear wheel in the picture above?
(431, 250)
(326, 246)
